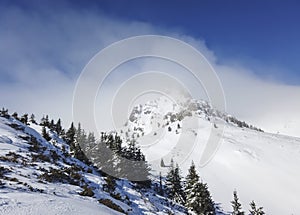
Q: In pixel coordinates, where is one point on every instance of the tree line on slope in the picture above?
(195, 195)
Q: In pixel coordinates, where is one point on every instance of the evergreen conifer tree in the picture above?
(254, 210)
(45, 134)
(90, 144)
(170, 180)
(161, 190)
(15, 115)
(79, 144)
(174, 184)
(70, 137)
(51, 125)
(24, 119)
(4, 113)
(192, 178)
(198, 198)
(236, 205)
(45, 121)
(103, 156)
(180, 195)
(58, 127)
(32, 119)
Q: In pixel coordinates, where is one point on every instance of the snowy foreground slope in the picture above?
(38, 177)
(261, 166)
(16, 202)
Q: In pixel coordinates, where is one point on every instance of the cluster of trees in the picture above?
(191, 192)
(121, 160)
(109, 155)
(194, 194)
(78, 140)
(237, 207)
(45, 122)
(241, 124)
(24, 118)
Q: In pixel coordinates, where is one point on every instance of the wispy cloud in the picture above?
(42, 54)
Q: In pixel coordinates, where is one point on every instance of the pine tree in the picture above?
(42, 123)
(170, 180)
(79, 144)
(24, 119)
(174, 184)
(254, 210)
(161, 190)
(58, 127)
(192, 177)
(236, 205)
(104, 156)
(142, 169)
(51, 125)
(4, 113)
(101, 155)
(80, 136)
(45, 121)
(32, 119)
(45, 134)
(198, 198)
(70, 137)
(180, 196)
(90, 144)
(15, 115)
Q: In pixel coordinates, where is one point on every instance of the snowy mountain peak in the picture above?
(148, 117)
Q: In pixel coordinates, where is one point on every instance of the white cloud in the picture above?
(271, 105)
(42, 55)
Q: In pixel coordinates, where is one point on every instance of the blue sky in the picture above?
(262, 35)
(254, 32)
(253, 45)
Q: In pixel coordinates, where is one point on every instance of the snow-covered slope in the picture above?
(40, 177)
(24, 203)
(261, 166)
